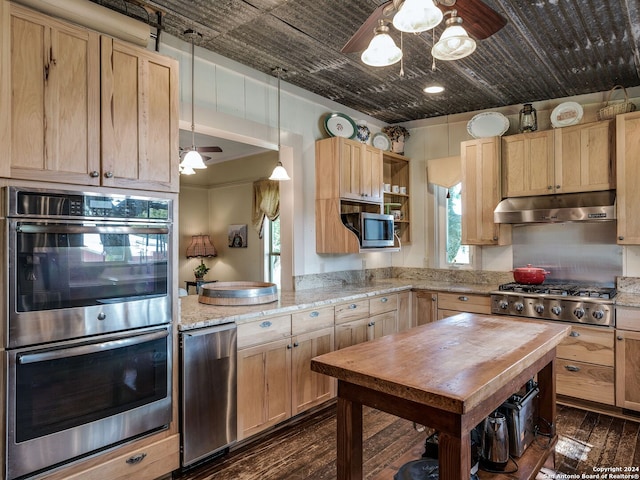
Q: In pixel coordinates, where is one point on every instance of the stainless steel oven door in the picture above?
(73, 398)
(74, 279)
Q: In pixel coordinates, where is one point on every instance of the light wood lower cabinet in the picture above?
(585, 365)
(628, 358)
(425, 309)
(450, 304)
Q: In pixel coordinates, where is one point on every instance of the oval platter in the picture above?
(340, 125)
(488, 124)
(381, 140)
(565, 114)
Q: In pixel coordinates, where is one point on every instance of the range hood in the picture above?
(567, 207)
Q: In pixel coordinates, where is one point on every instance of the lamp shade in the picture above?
(382, 50)
(201, 246)
(417, 16)
(279, 173)
(455, 43)
(193, 159)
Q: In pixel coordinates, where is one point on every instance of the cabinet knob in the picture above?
(136, 459)
(621, 237)
(353, 306)
(433, 298)
(549, 187)
(296, 344)
(314, 314)
(94, 174)
(574, 334)
(371, 324)
(620, 337)
(463, 299)
(558, 187)
(108, 174)
(265, 324)
(572, 368)
(289, 347)
(384, 299)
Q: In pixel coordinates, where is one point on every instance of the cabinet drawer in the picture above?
(589, 345)
(311, 320)
(383, 303)
(352, 311)
(264, 330)
(628, 319)
(464, 302)
(146, 463)
(585, 381)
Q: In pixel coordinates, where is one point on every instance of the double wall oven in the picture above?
(87, 334)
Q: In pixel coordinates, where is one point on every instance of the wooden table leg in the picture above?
(454, 456)
(547, 396)
(349, 445)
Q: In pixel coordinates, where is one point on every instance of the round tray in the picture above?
(238, 293)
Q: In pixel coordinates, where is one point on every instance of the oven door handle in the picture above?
(88, 349)
(66, 228)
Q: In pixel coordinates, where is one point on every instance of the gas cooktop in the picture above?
(576, 303)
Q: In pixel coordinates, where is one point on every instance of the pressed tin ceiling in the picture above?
(548, 49)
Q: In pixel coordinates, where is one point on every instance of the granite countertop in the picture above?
(194, 314)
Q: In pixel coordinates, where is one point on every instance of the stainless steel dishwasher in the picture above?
(208, 397)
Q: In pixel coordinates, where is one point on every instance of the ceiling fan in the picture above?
(480, 20)
(212, 149)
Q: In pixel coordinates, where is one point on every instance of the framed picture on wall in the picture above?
(238, 236)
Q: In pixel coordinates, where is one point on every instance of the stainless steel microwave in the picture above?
(374, 230)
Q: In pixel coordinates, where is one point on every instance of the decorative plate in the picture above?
(565, 114)
(381, 140)
(488, 124)
(363, 133)
(340, 125)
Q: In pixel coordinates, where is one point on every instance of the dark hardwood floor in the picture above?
(306, 449)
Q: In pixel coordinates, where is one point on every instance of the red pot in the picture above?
(530, 275)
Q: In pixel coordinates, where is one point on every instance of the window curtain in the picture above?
(445, 172)
(266, 203)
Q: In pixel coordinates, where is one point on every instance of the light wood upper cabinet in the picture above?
(55, 100)
(628, 178)
(87, 109)
(349, 170)
(563, 160)
(481, 192)
(583, 157)
(528, 164)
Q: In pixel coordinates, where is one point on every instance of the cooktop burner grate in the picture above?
(564, 290)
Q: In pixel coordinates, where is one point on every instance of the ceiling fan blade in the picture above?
(480, 20)
(360, 40)
(209, 149)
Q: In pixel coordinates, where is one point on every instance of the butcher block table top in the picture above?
(448, 374)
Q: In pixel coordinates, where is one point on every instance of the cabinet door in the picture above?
(480, 190)
(405, 316)
(351, 333)
(371, 173)
(426, 307)
(583, 160)
(350, 170)
(628, 369)
(264, 386)
(383, 324)
(139, 118)
(528, 164)
(628, 178)
(310, 388)
(55, 100)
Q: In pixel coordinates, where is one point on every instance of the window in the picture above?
(272, 251)
(451, 251)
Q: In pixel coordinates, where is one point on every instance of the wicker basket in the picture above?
(610, 111)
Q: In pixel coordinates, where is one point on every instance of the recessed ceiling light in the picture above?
(434, 89)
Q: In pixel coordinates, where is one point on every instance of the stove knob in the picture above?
(556, 310)
(579, 312)
(519, 306)
(503, 304)
(598, 314)
(539, 308)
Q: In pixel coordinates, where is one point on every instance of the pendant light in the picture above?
(417, 16)
(192, 159)
(382, 50)
(279, 173)
(455, 43)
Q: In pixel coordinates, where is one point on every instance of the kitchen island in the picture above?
(448, 375)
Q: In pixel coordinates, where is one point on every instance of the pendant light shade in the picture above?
(382, 50)
(455, 43)
(279, 172)
(186, 170)
(192, 159)
(417, 16)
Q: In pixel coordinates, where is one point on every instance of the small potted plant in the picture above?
(200, 271)
(397, 134)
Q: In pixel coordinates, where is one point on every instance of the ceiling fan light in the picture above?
(193, 160)
(187, 171)
(454, 44)
(279, 173)
(417, 16)
(382, 51)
